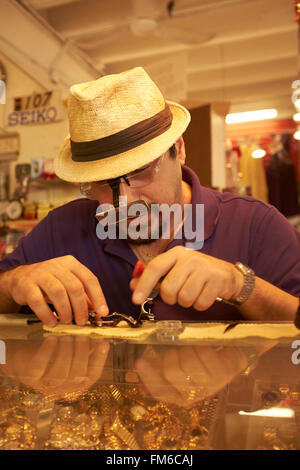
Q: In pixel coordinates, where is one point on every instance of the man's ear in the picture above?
(180, 147)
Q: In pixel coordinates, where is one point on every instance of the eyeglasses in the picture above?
(136, 179)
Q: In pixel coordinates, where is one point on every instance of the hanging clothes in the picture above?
(292, 147)
(282, 184)
(253, 173)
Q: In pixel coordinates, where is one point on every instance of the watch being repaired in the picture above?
(116, 325)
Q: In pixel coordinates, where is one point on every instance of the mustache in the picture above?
(116, 215)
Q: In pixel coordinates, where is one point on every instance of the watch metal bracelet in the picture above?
(247, 289)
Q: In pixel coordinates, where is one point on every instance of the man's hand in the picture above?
(187, 374)
(190, 279)
(64, 282)
(58, 365)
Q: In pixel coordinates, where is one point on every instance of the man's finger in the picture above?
(36, 301)
(60, 367)
(56, 294)
(153, 272)
(40, 361)
(91, 286)
(156, 385)
(97, 360)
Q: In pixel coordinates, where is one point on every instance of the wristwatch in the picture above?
(249, 283)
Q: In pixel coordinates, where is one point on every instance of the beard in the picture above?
(142, 223)
(142, 230)
(151, 226)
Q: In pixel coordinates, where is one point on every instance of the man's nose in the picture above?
(128, 191)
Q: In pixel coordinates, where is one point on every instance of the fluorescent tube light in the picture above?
(272, 413)
(258, 153)
(297, 104)
(251, 116)
(297, 135)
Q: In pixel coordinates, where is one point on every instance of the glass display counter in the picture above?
(72, 392)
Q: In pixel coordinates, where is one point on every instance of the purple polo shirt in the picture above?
(236, 228)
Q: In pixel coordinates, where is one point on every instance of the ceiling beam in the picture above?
(45, 4)
(108, 56)
(246, 92)
(259, 72)
(60, 64)
(89, 16)
(248, 51)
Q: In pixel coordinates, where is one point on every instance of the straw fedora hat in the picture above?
(118, 123)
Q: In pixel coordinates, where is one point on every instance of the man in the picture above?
(126, 141)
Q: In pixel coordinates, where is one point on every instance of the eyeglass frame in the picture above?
(85, 188)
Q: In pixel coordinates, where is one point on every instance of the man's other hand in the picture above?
(64, 282)
(190, 278)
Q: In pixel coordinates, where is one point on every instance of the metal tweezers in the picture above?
(113, 320)
(230, 326)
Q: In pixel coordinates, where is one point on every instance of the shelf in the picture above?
(23, 224)
(43, 182)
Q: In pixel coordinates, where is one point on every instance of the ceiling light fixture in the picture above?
(297, 104)
(297, 135)
(271, 413)
(259, 115)
(258, 153)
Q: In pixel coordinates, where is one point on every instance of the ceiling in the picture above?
(240, 51)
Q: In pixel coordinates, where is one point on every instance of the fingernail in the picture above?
(138, 297)
(104, 310)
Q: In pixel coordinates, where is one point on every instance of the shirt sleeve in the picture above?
(275, 252)
(35, 247)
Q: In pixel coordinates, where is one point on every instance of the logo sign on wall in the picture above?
(38, 108)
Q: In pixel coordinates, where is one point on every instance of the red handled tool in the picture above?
(138, 269)
(146, 312)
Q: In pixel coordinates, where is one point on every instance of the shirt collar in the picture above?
(206, 196)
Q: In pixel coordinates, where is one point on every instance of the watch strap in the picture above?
(248, 286)
(249, 283)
